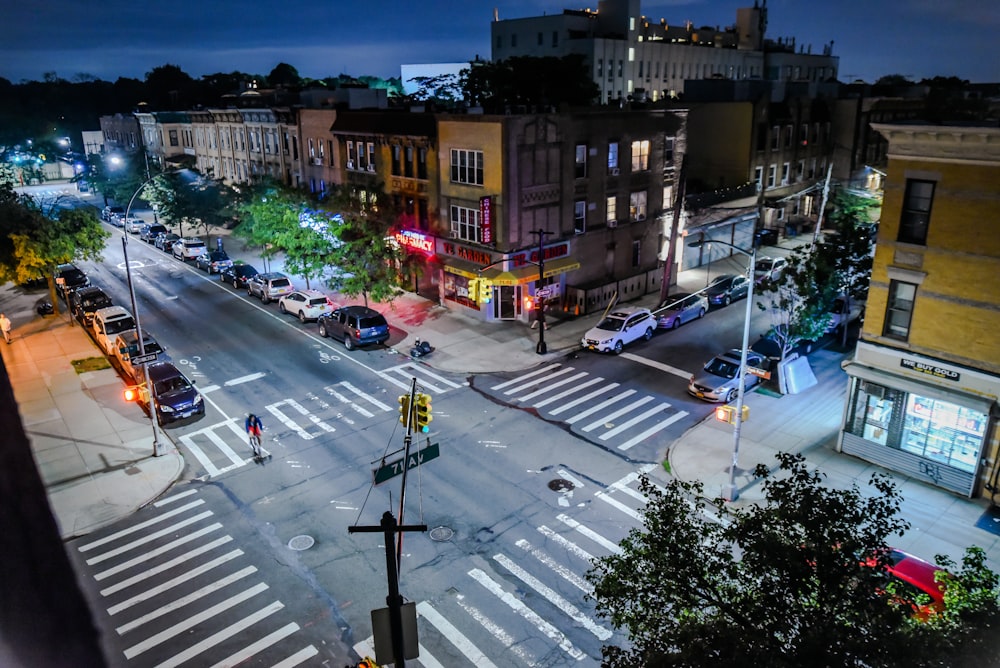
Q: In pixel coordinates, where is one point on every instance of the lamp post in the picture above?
(730, 493)
(157, 445)
(541, 348)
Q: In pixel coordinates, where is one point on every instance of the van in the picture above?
(126, 346)
(109, 322)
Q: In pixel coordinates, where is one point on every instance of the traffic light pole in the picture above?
(407, 441)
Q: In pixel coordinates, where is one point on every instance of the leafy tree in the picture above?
(798, 301)
(186, 197)
(797, 579)
(284, 75)
(529, 80)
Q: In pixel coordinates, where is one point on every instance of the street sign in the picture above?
(543, 293)
(392, 469)
(759, 372)
(143, 359)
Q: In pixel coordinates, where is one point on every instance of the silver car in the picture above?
(681, 308)
(719, 380)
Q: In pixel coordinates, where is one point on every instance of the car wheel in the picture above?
(281, 307)
(676, 323)
(348, 342)
(701, 313)
(322, 330)
(649, 333)
(731, 395)
(618, 347)
(727, 301)
(264, 299)
(249, 292)
(302, 316)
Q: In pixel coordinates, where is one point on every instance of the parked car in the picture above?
(726, 289)
(188, 248)
(768, 268)
(238, 274)
(918, 580)
(133, 224)
(173, 396)
(269, 286)
(355, 326)
(108, 323)
(305, 304)
(150, 232)
(109, 211)
(165, 241)
(213, 261)
(620, 328)
(681, 308)
(68, 278)
(719, 380)
(83, 303)
(845, 313)
(126, 346)
(117, 219)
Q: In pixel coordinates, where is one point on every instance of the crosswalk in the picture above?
(530, 603)
(177, 591)
(596, 408)
(222, 447)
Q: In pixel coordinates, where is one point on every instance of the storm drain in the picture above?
(300, 543)
(441, 534)
(560, 485)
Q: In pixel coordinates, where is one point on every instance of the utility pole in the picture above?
(822, 206)
(541, 348)
(668, 266)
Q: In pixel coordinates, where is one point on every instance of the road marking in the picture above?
(563, 572)
(291, 424)
(586, 397)
(180, 559)
(186, 538)
(577, 483)
(217, 638)
(174, 497)
(520, 608)
(589, 533)
(265, 642)
(553, 597)
(566, 393)
(514, 381)
(507, 640)
(554, 374)
(139, 527)
(566, 543)
(634, 514)
(548, 387)
(659, 426)
(634, 421)
(148, 538)
(604, 404)
(454, 636)
(295, 659)
(367, 397)
(686, 375)
(244, 379)
(199, 454)
(180, 579)
(621, 411)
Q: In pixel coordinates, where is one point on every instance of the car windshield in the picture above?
(168, 385)
(721, 367)
(763, 265)
(120, 325)
(611, 324)
(370, 321)
(245, 270)
(280, 283)
(218, 255)
(317, 301)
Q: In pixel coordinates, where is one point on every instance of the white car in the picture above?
(620, 328)
(305, 304)
(188, 248)
(768, 268)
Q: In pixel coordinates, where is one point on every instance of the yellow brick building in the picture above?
(925, 378)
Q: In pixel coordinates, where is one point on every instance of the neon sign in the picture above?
(416, 241)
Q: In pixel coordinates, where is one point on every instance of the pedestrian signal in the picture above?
(131, 393)
(404, 409)
(424, 416)
(728, 414)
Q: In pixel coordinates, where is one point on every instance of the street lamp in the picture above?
(730, 493)
(157, 446)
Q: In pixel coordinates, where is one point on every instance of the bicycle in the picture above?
(255, 444)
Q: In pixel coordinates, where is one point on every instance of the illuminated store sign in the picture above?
(416, 241)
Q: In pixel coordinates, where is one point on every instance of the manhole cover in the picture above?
(300, 543)
(441, 534)
(560, 485)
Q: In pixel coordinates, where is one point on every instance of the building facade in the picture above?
(924, 381)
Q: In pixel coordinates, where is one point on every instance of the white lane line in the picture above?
(589, 533)
(140, 526)
(176, 497)
(563, 572)
(244, 379)
(628, 408)
(577, 483)
(211, 469)
(367, 397)
(274, 409)
(163, 549)
(424, 371)
(184, 600)
(225, 449)
(534, 373)
(507, 640)
(634, 514)
(180, 627)
(659, 426)
(586, 397)
(297, 658)
(601, 406)
(454, 636)
(344, 400)
(553, 597)
(686, 375)
(167, 565)
(265, 642)
(128, 547)
(217, 638)
(634, 421)
(208, 388)
(548, 387)
(392, 379)
(553, 375)
(566, 543)
(520, 608)
(566, 393)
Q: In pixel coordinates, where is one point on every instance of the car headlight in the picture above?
(166, 409)
(197, 400)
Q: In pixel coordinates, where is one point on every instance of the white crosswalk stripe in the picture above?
(427, 379)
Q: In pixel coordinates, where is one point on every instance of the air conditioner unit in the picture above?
(350, 164)
(371, 168)
(614, 172)
(612, 223)
(317, 161)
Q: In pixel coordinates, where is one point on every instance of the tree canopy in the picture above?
(796, 579)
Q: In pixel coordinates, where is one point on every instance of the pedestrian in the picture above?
(5, 326)
(218, 243)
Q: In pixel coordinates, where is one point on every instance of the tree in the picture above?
(184, 196)
(797, 579)
(530, 81)
(284, 75)
(798, 300)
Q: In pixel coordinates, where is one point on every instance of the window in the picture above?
(789, 131)
(408, 162)
(580, 171)
(668, 151)
(916, 211)
(800, 170)
(396, 164)
(612, 157)
(541, 39)
(422, 163)
(637, 205)
(758, 174)
(640, 155)
(770, 176)
(371, 156)
(636, 252)
(611, 207)
(775, 137)
(580, 216)
(173, 137)
(784, 174)
(351, 158)
(465, 223)
(555, 38)
(900, 310)
(467, 166)
(513, 41)
(600, 67)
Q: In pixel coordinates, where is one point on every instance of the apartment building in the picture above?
(924, 380)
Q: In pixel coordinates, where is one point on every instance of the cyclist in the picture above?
(254, 427)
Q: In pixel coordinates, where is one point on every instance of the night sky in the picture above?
(113, 38)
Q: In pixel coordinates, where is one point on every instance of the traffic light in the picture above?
(424, 416)
(485, 291)
(529, 304)
(728, 413)
(131, 393)
(404, 409)
(474, 289)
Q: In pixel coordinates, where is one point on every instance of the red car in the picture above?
(918, 578)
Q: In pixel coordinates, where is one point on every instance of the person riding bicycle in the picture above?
(254, 426)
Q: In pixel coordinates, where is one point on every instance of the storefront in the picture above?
(922, 417)
(422, 275)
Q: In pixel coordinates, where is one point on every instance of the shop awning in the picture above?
(975, 402)
(529, 273)
(462, 268)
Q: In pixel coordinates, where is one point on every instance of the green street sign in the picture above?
(392, 469)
